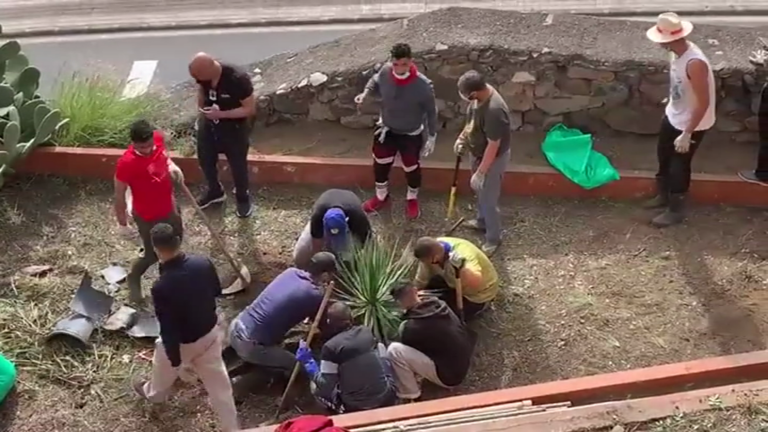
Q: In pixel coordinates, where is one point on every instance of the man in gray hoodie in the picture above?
(407, 107)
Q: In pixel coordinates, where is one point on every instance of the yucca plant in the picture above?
(365, 279)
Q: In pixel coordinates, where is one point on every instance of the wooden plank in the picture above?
(753, 365)
(622, 412)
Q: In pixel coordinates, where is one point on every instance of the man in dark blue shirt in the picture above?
(258, 332)
(184, 297)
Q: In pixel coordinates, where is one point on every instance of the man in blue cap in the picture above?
(337, 217)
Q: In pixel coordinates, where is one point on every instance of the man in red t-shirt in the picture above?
(147, 170)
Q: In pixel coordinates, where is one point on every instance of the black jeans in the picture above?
(761, 171)
(675, 168)
(148, 257)
(230, 138)
(447, 294)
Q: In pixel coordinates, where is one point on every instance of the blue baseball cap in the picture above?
(336, 229)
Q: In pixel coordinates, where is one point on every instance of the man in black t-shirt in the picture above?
(337, 217)
(226, 102)
(354, 374)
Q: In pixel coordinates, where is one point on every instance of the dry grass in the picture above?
(589, 288)
(748, 417)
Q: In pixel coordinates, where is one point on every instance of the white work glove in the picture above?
(176, 173)
(683, 143)
(126, 232)
(429, 146)
(459, 147)
(759, 57)
(477, 181)
(360, 98)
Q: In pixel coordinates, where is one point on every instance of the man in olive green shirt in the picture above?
(444, 259)
(487, 136)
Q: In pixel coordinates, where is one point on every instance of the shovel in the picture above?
(243, 274)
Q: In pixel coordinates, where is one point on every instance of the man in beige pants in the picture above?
(185, 303)
(434, 344)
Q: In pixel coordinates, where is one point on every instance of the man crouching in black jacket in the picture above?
(354, 374)
(434, 344)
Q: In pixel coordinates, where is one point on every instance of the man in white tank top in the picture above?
(690, 112)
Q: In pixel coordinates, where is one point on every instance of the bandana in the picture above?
(412, 74)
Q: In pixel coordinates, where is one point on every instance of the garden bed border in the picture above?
(656, 380)
(522, 180)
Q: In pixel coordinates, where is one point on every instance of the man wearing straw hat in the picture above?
(689, 113)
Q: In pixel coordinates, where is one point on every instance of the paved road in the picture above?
(59, 56)
(47, 16)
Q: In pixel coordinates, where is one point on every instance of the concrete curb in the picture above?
(520, 180)
(112, 22)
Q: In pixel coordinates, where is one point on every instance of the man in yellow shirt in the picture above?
(444, 259)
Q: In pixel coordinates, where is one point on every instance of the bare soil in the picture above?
(589, 287)
(720, 153)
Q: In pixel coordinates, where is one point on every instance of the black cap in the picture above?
(323, 262)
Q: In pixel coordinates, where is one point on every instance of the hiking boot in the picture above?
(244, 207)
(674, 213)
(489, 248)
(661, 199)
(751, 177)
(475, 224)
(374, 204)
(412, 210)
(212, 196)
(138, 387)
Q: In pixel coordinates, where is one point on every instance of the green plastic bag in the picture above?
(570, 152)
(7, 377)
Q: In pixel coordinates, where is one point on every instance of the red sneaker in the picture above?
(412, 210)
(374, 204)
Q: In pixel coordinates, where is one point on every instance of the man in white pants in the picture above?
(690, 112)
(184, 297)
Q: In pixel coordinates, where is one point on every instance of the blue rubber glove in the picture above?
(304, 356)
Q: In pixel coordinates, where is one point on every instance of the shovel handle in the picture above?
(214, 234)
(312, 330)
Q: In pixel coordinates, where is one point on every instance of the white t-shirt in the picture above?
(682, 100)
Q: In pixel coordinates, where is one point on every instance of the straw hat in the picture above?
(669, 27)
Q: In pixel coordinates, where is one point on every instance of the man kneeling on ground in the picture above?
(434, 344)
(337, 215)
(444, 261)
(258, 332)
(354, 374)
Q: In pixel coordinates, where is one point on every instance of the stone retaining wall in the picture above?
(541, 89)
(615, 84)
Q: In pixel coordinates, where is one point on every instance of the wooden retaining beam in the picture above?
(662, 379)
(346, 172)
(605, 415)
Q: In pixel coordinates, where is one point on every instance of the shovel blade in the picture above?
(237, 285)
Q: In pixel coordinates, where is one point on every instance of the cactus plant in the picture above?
(26, 120)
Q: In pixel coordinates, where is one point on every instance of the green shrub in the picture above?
(365, 280)
(98, 114)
